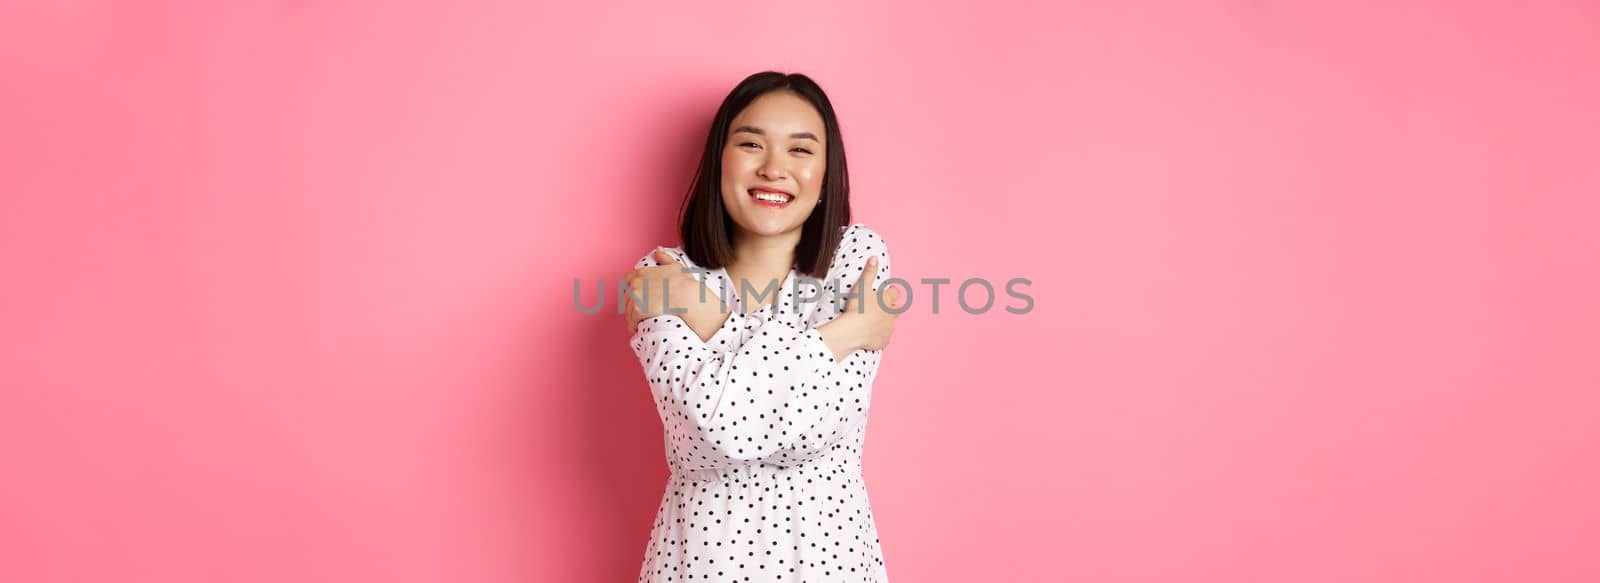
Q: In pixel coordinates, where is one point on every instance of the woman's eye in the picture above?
(802, 150)
(750, 144)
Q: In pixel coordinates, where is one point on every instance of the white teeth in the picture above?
(773, 197)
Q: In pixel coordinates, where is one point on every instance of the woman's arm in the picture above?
(783, 396)
(782, 391)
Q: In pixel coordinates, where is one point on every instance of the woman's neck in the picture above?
(762, 260)
(764, 254)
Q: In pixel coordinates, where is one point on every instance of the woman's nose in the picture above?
(771, 169)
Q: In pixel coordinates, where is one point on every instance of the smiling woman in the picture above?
(746, 158)
(774, 133)
(763, 400)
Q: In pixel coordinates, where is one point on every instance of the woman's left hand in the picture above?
(703, 310)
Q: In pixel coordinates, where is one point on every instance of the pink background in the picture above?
(288, 287)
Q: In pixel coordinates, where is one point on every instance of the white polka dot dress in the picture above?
(763, 434)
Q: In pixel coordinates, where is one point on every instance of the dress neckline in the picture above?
(738, 305)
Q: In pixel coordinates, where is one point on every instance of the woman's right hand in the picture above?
(865, 324)
(703, 312)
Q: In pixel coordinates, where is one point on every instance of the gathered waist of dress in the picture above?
(824, 464)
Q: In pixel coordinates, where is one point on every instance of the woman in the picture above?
(762, 374)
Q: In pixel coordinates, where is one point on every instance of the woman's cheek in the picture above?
(809, 178)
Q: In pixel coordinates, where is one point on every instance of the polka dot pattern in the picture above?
(763, 432)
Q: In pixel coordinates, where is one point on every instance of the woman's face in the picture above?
(774, 147)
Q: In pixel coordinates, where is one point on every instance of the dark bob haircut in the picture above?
(705, 226)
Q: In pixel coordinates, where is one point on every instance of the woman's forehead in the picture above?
(779, 112)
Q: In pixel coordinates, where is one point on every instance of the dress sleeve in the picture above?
(777, 396)
(725, 338)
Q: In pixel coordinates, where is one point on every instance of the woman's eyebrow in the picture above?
(761, 132)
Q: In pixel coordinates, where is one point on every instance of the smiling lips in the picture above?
(770, 197)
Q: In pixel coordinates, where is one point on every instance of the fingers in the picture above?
(635, 314)
(636, 278)
(663, 258)
(628, 312)
(639, 277)
(869, 275)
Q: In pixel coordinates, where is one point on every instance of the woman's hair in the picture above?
(707, 229)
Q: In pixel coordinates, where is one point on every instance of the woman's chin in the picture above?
(768, 226)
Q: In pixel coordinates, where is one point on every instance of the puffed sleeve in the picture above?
(778, 396)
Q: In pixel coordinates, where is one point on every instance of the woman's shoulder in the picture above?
(858, 235)
(858, 242)
(676, 253)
